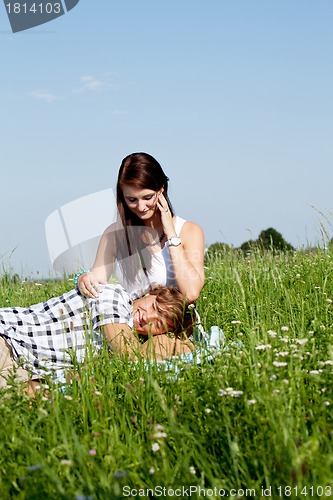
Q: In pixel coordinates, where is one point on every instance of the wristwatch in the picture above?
(174, 241)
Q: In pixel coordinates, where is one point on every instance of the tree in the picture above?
(269, 239)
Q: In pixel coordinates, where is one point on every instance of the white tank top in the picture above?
(161, 271)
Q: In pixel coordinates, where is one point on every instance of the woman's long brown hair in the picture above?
(142, 171)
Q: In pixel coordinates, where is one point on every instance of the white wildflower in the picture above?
(160, 435)
(236, 394)
(285, 381)
(192, 470)
(151, 471)
(284, 328)
(208, 410)
(251, 401)
(276, 391)
(229, 391)
(284, 339)
(314, 372)
(236, 322)
(327, 403)
(328, 362)
(66, 462)
(272, 334)
(155, 447)
(279, 363)
(282, 353)
(302, 341)
(263, 346)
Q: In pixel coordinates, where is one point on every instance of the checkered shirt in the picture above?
(50, 335)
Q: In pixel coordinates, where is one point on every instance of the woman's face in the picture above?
(142, 202)
(147, 316)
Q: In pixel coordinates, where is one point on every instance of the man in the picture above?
(56, 334)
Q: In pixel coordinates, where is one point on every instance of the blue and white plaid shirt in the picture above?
(49, 335)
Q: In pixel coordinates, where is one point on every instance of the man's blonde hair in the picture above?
(176, 311)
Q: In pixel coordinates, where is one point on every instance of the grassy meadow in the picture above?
(256, 422)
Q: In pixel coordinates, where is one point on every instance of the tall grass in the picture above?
(258, 419)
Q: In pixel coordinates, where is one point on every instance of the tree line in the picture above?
(268, 240)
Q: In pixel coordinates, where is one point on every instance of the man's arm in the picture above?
(122, 340)
(165, 347)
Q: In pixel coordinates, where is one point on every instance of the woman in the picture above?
(148, 243)
(56, 334)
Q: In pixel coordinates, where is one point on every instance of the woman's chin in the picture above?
(146, 215)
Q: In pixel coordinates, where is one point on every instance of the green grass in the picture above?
(258, 417)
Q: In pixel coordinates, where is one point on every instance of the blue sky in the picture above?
(234, 98)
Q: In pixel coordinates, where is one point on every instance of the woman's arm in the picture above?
(188, 260)
(89, 283)
(188, 257)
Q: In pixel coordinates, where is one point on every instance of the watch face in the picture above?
(174, 241)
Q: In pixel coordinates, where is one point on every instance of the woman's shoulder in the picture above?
(192, 235)
(179, 223)
(115, 226)
(187, 226)
(111, 232)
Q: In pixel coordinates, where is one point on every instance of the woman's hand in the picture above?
(166, 216)
(89, 285)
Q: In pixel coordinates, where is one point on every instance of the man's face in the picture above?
(148, 317)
